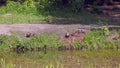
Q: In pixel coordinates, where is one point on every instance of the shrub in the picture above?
(106, 31)
(77, 5)
(27, 7)
(3, 39)
(48, 40)
(29, 3)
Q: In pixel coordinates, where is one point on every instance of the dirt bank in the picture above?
(40, 28)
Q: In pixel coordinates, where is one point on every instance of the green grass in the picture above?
(14, 12)
(61, 59)
(93, 40)
(84, 59)
(37, 14)
(51, 41)
(55, 18)
(21, 18)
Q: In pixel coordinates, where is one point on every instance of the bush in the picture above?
(29, 3)
(15, 7)
(77, 5)
(93, 39)
(50, 41)
(52, 5)
(97, 40)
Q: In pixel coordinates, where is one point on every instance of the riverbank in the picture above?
(30, 37)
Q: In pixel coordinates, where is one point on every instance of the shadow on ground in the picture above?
(64, 16)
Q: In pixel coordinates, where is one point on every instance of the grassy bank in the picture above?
(93, 40)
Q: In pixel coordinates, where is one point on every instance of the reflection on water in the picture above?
(61, 59)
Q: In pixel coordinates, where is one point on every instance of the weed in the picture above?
(106, 31)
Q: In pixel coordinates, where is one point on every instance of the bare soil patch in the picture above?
(41, 28)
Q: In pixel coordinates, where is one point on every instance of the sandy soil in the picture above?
(40, 28)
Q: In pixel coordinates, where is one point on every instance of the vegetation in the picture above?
(96, 51)
(60, 59)
(49, 11)
(23, 52)
(93, 40)
(20, 14)
(40, 42)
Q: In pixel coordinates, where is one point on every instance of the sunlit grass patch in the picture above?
(20, 18)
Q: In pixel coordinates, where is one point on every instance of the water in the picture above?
(61, 59)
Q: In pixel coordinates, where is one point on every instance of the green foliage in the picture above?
(106, 31)
(93, 40)
(9, 42)
(77, 5)
(51, 41)
(15, 7)
(3, 39)
(76, 43)
(97, 40)
(72, 5)
(10, 7)
(14, 12)
(14, 41)
(29, 3)
(48, 40)
(29, 11)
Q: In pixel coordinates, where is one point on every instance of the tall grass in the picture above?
(51, 41)
(48, 40)
(95, 40)
(99, 40)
